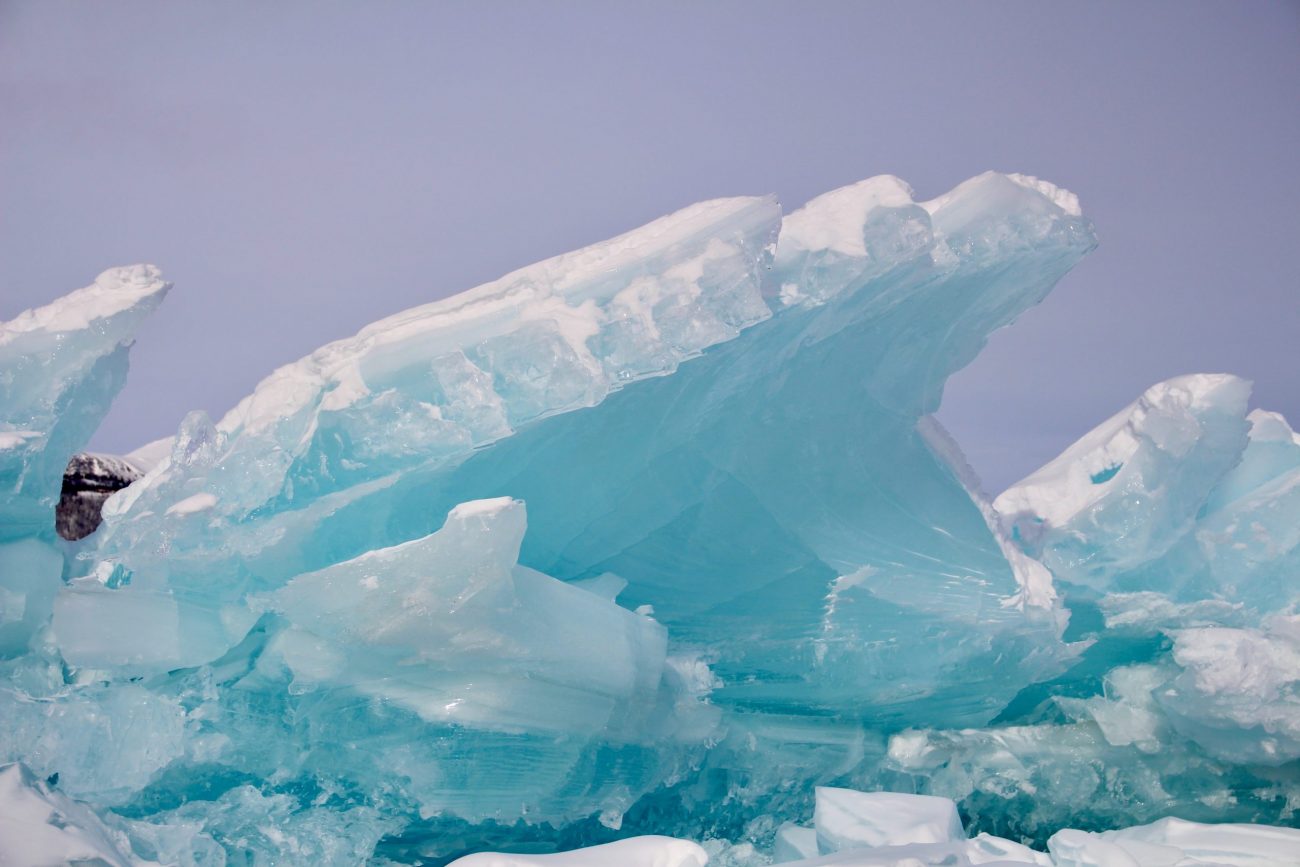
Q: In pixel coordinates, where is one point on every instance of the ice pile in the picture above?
(655, 537)
(1173, 529)
(881, 829)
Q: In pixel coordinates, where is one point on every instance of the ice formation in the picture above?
(656, 537)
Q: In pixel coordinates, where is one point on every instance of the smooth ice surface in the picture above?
(655, 537)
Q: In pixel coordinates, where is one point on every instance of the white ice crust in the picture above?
(113, 291)
(1176, 843)
(836, 222)
(1164, 415)
(563, 292)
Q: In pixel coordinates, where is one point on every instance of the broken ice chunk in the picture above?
(1238, 694)
(846, 819)
(451, 627)
(794, 843)
(30, 575)
(62, 366)
(1128, 490)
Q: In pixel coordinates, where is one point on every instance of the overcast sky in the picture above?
(299, 170)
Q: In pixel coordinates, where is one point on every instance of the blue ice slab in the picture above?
(772, 500)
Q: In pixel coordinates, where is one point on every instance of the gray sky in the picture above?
(299, 170)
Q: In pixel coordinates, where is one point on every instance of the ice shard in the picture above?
(647, 480)
(656, 537)
(60, 367)
(1128, 491)
(63, 364)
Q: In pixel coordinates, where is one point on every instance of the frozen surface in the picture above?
(656, 537)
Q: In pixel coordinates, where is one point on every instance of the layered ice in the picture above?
(655, 537)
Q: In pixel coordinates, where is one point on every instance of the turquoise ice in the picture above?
(655, 537)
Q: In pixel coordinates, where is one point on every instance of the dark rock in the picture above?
(88, 481)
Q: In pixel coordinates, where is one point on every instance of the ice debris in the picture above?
(659, 536)
(896, 830)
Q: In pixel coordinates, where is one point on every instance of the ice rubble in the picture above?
(654, 537)
(871, 829)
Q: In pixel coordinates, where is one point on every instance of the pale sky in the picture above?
(301, 169)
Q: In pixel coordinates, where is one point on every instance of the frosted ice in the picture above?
(656, 537)
(794, 843)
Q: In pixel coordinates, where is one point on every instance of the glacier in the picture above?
(652, 553)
